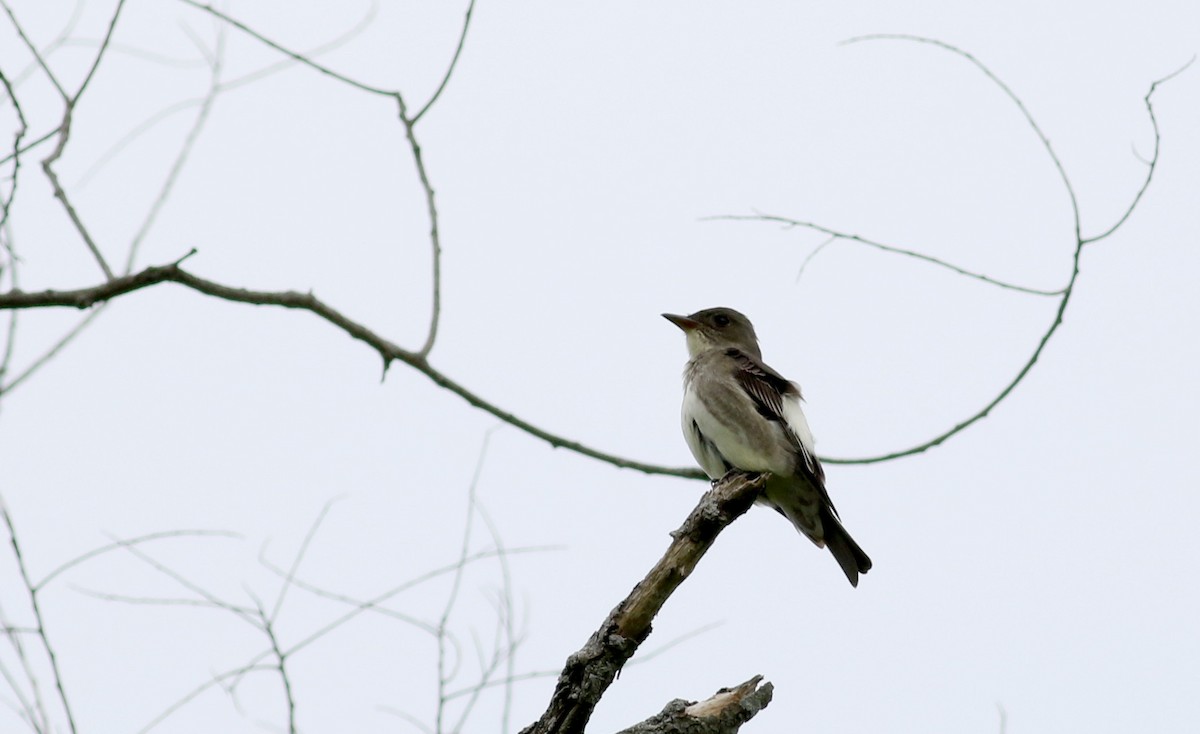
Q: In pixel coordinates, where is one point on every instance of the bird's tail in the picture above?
(849, 556)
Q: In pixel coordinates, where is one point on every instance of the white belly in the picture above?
(715, 443)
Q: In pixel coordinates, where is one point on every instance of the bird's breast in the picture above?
(723, 430)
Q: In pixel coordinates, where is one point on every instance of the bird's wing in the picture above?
(778, 399)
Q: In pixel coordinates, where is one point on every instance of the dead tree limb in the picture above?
(723, 713)
(589, 672)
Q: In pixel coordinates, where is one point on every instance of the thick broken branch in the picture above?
(723, 713)
(589, 672)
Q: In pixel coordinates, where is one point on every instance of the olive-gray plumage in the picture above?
(738, 413)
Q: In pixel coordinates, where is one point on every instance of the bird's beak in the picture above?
(682, 322)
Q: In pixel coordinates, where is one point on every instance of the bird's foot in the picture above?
(749, 475)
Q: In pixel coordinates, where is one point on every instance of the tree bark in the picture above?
(589, 672)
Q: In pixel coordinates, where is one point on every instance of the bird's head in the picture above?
(717, 328)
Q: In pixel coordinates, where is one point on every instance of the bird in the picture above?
(741, 415)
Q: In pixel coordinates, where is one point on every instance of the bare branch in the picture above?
(723, 713)
(22, 128)
(388, 351)
(290, 578)
(182, 156)
(836, 235)
(62, 39)
(33, 49)
(455, 584)
(254, 666)
(408, 122)
(164, 601)
(10, 334)
(1080, 242)
(268, 625)
(35, 711)
(112, 26)
(462, 38)
(590, 671)
(24, 708)
(243, 613)
(506, 607)
(375, 604)
(50, 353)
(30, 145)
(1062, 172)
(1150, 164)
(42, 635)
(125, 543)
(64, 135)
(812, 255)
(434, 236)
(296, 56)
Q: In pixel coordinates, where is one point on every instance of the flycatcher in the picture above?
(739, 414)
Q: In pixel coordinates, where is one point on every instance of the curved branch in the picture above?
(389, 351)
(302, 58)
(1008, 92)
(1080, 242)
(836, 235)
(1150, 164)
(409, 123)
(462, 39)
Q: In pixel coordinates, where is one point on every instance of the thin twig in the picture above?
(14, 282)
(181, 158)
(434, 235)
(455, 584)
(45, 137)
(205, 104)
(289, 578)
(127, 542)
(163, 601)
(52, 352)
(24, 708)
(375, 604)
(836, 235)
(506, 681)
(295, 55)
(60, 40)
(462, 39)
(254, 664)
(42, 635)
(506, 605)
(408, 717)
(811, 255)
(108, 34)
(64, 135)
(1151, 164)
(35, 710)
(243, 613)
(33, 49)
(220, 88)
(1008, 92)
(268, 625)
(22, 129)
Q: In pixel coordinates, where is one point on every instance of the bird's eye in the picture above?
(721, 321)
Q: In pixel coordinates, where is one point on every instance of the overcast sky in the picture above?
(1043, 561)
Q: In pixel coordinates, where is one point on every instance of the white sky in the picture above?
(1043, 561)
